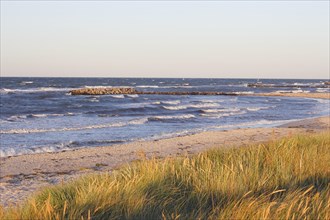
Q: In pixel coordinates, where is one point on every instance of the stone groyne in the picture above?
(103, 91)
(131, 91)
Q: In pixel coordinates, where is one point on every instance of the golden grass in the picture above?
(287, 179)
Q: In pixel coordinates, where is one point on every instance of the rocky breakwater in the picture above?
(131, 91)
(103, 91)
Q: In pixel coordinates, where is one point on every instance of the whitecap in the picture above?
(200, 105)
(118, 96)
(169, 117)
(133, 96)
(244, 93)
(281, 91)
(217, 115)
(173, 108)
(26, 82)
(255, 109)
(175, 102)
(96, 87)
(16, 117)
(98, 126)
(220, 110)
(147, 86)
(35, 90)
(211, 101)
(138, 121)
(94, 100)
(322, 90)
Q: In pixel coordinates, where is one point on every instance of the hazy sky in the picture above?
(259, 39)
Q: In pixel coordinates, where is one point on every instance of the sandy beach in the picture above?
(22, 175)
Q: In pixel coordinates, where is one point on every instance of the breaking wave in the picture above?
(171, 117)
(175, 102)
(220, 110)
(71, 145)
(220, 115)
(133, 96)
(118, 96)
(99, 126)
(255, 109)
(147, 86)
(34, 90)
(201, 105)
(21, 117)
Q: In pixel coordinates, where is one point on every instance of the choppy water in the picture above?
(39, 114)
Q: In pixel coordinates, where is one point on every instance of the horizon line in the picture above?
(142, 77)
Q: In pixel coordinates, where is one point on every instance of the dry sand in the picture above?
(22, 175)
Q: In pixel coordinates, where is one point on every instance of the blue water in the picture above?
(40, 115)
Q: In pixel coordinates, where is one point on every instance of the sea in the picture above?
(40, 115)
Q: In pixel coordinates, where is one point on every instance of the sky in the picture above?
(218, 39)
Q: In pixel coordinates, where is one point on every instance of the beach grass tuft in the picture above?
(285, 179)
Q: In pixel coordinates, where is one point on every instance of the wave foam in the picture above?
(255, 109)
(47, 115)
(322, 90)
(174, 108)
(201, 105)
(35, 90)
(292, 91)
(21, 117)
(244, 93)
(212, 101)
(323, 101)
(133, 96)
(171, 117)
(253, 124)
(94, 100)
(16, 118)
(217, 115)
(26, 82)
(147, 86)
(118, 96)
(99, 126)
(175, 102)
(220, 110)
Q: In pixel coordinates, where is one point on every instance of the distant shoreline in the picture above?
(302, 95)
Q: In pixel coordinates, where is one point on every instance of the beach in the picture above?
(58, 137)
(25, 174)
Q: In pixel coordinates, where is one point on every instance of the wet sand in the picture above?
(20, 176)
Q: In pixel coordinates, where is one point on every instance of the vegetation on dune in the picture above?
(286, 179)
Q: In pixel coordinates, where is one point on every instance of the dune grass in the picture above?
(286, 179)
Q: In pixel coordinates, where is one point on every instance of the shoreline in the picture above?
(22, 175)
(323, 95)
